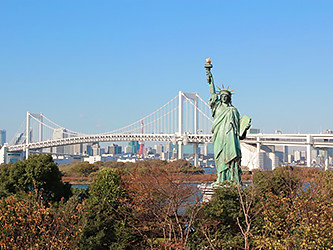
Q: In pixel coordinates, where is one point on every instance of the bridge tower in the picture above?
(308, 150)
(181, 97)
(27, 135)
(29, 131)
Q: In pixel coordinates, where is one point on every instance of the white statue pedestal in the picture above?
(207, 191)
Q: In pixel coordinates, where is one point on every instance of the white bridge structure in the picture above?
(185, 119)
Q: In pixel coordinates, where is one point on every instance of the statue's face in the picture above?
(225, 98)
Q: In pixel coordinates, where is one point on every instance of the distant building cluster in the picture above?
(93, 152)
(270, 157)
(265, 157)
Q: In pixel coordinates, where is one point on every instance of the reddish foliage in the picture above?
(30, 224)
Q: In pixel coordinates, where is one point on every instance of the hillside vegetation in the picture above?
(152, 205)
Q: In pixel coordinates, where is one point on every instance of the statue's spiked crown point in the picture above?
(225, 90)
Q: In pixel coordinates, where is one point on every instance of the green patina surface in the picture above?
(228, 129)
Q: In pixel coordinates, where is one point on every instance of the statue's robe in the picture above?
(226, 135)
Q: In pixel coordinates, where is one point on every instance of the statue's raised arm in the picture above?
(209, 75)
(213, 96)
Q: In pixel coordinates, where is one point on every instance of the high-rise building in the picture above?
(135, 146)
(297, 156)
(114, 149)
(2, 137)
(150, 151)
(128, 149)
(290, 158)
(96, 149)
(77, 149)
(159, 148)
(86, 149)
(59, 133)
(282, 152)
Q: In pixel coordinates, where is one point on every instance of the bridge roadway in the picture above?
(312, 140)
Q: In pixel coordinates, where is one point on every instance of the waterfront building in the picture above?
(3, 153)
(13, 157)
(96, 158)
(265, 159)
(66, 159)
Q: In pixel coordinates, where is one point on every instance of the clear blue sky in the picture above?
(94, 66)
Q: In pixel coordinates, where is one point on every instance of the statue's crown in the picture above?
(225, 90)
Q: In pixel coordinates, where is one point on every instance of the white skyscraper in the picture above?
(61, 133)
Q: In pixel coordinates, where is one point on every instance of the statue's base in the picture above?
(207, 190)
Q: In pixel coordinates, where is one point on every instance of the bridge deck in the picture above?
(315, 140)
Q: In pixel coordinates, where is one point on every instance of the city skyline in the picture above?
(87, 65)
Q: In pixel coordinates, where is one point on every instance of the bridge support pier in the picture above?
(195, 151)
(180, 150)
(206, 149)
(308, 151)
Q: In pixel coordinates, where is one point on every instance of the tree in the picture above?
(79, 169)
(247, 199)
(294, 213)
(39, 173)
(28, 223)
(106, 227)
(217, 226)
(281, 180)
(164, 205)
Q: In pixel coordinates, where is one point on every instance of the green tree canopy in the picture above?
(39, 173)
(216, 226)
(106, 227)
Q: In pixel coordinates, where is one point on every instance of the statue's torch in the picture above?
(208, 66)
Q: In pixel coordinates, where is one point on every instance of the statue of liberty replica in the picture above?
(228, 129)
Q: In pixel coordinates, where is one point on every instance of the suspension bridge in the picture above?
(185, 119)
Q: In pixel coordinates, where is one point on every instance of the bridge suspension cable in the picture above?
(18, 135)
(189, 100)
(123, 129)
(194, 112)
(68, 130)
